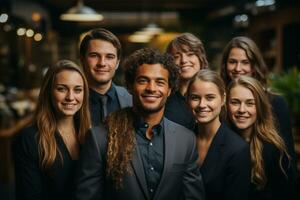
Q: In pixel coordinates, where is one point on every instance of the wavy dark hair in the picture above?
(150, 56)
(45, 115)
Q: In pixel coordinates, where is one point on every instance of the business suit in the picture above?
(119, 98)
(180, 179)
(278, 185)
(226, 169)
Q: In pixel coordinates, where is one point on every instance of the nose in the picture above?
(202, 103)
(183, 58)
(101, 61)
(151, 86)
(242, 108)
(70, 96)
(237, 67)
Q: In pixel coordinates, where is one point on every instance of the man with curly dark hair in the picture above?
(141, 154)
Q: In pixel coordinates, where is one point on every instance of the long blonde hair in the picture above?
(263, 130)
(46, 118)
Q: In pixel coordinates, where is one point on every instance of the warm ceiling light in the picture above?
(81, 13)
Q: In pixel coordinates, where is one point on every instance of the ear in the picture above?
(224, 99)
(117, 65)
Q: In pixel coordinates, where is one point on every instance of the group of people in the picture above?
(177, 131)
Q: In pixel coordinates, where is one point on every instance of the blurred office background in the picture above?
(36, 33)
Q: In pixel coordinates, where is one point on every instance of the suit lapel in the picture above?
(122, 97)
(213, 154)
(169, 154)
(138, 168)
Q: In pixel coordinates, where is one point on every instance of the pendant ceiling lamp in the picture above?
(81, 13)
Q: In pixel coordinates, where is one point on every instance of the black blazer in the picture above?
(34, 183)
(278, 185)
(283, 122)
(226, 169)
(180, 179)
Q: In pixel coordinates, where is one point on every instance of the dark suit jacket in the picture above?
(283, 122)
(180, 179)
(124, 97)
(226, 169)
(278, 185)
(34, 183)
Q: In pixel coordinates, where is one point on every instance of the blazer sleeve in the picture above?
(238, 175)
(90, 174)
(192, 179)
(28, 176)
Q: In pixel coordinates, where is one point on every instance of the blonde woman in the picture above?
(223, 155)
(250, 115)
(46, 152)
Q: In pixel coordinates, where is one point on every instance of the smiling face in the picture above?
(205, 101)
(188, 62)
(238, 64)
(67, 93)
(242, 108)
(150, 89)
(100, 62)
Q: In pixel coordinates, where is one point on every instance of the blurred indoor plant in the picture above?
(288, 85)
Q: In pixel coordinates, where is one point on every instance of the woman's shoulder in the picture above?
(232, 138)
(25, 142)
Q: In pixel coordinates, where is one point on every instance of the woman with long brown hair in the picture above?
(46, 152)
(250, 114)
(242, 57)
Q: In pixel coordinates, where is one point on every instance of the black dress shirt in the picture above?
(96, 105)
(152, 153)
(177, 111)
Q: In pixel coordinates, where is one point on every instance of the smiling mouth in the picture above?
(68, 106)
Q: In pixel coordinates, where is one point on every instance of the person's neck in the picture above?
(183, 86)
(101, 88)
(66, 125)
(208, 131)
(151, 119)
(246, 133)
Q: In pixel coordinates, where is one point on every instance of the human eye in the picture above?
(210, 97)
(161, 82)
(93, 55)
(250, 103)
(234, 102)
(61, 88)
(232, 61)
(194, 97)
(190, 53)
(78, 90)
(111, 56)
(245, 62)
(141, 80)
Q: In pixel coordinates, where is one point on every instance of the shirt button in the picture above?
(152, 168)
(151, 190)
(150, 144)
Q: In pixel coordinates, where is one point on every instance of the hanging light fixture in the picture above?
(81, 13)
